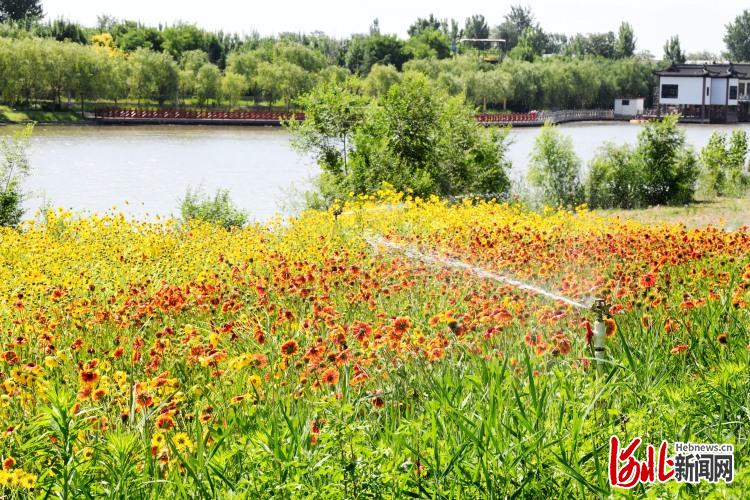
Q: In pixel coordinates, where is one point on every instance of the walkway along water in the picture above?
(122, 116)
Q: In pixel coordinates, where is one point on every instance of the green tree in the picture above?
(428, 44)
(491, 87)
(183, 37)
(14, 168)
(669, 167)
(723, 164)
(153, 76)
(366, 51)
(476, 27)
(737, 37)
(380, 80)
(207, 83)
(421, 24)
(233, 87)
(614, 179)
(555, 169)
(332, 111)
(625, 45)
(518, 20)
(673, 52)
(417, 137)
(19, 10)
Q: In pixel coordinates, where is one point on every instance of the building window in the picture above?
(669, 91)
(626, 102)
(742, 88)
(733, 92)
(708, 91)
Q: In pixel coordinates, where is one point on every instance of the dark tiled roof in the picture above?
(709, 70)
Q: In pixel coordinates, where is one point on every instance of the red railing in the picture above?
(271, 117)
(195, 114)
(532, 117)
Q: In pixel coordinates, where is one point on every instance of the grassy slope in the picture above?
(10, 115)
(729, 213)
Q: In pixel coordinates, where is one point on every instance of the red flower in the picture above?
(331, 376)
(648, 280)
(679, 349)
(401, 325)
(289, 348)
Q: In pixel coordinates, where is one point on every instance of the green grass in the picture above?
(10, 115)
(729, 213)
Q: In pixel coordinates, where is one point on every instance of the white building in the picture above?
(705, 92)
(630, 107)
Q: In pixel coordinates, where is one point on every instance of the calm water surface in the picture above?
(145, 170)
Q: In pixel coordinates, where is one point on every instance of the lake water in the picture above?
(145, 170)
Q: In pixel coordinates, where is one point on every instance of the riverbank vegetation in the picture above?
(59, 64)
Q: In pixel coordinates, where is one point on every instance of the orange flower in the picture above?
(9, 463)
(401, 325)
(646, 321)
(678, 349)
(648, 280)
(165, 422)
(611, 326)
(289, 348)
(88, 376)
(331, 376)
(722, 339)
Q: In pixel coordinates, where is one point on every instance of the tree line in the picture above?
(38, 71)
(58, 63)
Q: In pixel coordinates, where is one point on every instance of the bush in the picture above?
(661, 169)
(554, 169)
(218, 209)
(668, 165)
(14, 168)
(614, 179)
(723, 165)
(415, 137)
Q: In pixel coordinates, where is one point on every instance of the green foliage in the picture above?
(415, 137)
(366, 51)
(673, 52)
(428, 44)
(554, 168)
(332, 111)
(153, 75)
(14, 168)
(20, 10)
(737, 37)
(669, 166)
(207, 83)
(723, 165)
(614, 179)
(625, 45)
(380, 79)
(219, 209)
(418, 138)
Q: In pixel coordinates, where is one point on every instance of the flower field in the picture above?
(321, 357)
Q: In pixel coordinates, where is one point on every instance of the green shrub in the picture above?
(723, 165)
(415, 137)
(219, 209)
(554, 169)
(614, 179)
(14, 168)
(668, 165)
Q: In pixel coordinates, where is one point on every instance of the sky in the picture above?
(700, 24)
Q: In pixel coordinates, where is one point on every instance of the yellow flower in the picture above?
(51, 362)
(182, 442)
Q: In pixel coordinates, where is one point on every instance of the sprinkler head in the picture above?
(600, 308)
